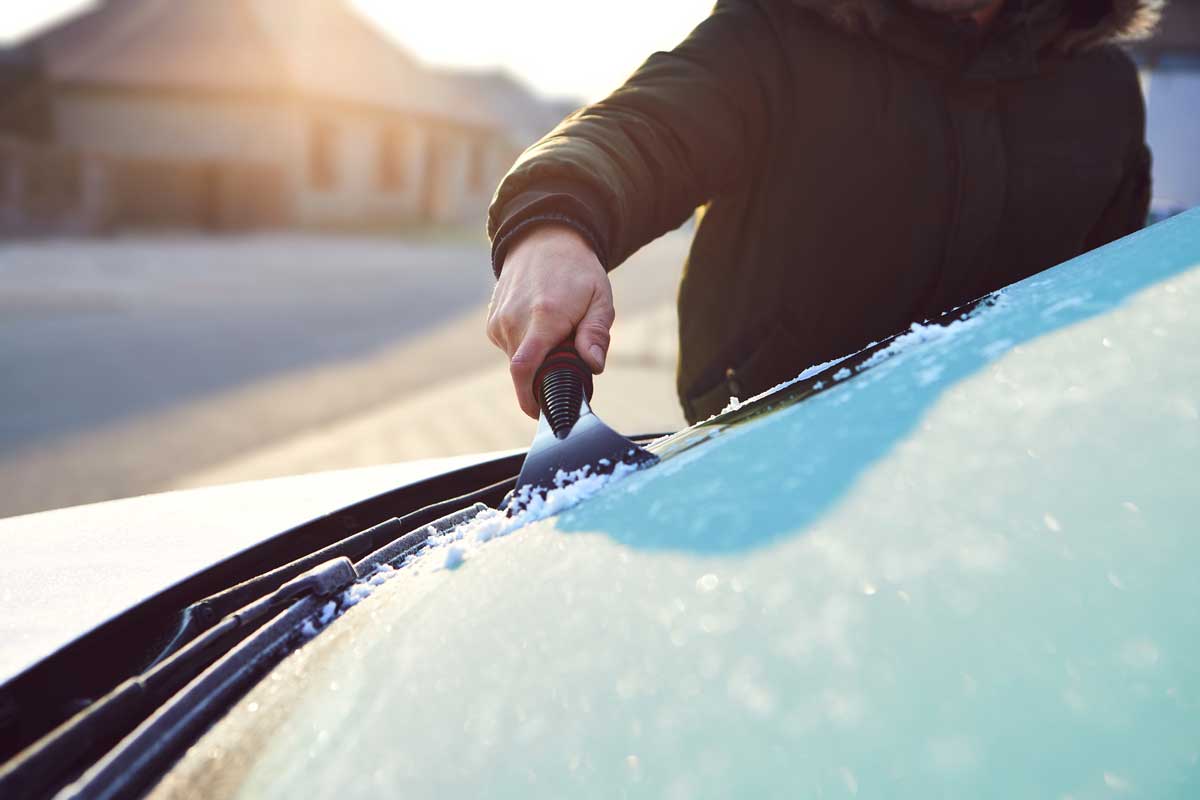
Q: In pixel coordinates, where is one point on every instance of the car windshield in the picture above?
(960, 567)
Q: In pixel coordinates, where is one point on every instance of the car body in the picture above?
(958, 563)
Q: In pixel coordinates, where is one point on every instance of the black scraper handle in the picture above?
(560, 385)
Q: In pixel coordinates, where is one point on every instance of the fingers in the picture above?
(541, 336)
(553, 288)
(592, 334)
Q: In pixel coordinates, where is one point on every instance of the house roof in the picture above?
(316, 47)
(502, 95)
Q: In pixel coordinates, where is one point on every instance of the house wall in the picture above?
(440, 172)
(181, 160)
(165, 126)
(355, 192)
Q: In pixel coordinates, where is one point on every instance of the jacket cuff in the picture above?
(502, 242)
(560, 202)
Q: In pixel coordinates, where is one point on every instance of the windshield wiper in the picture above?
(201, 615)
(287, 594)
(39, 769)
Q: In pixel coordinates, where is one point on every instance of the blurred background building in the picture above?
(1170, 65)
(234, 114)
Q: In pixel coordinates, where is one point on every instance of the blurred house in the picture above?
(240, 113)
(1170, 67)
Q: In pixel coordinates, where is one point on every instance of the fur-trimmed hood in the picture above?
(1080, 23)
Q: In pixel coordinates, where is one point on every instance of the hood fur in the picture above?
(1089, 22)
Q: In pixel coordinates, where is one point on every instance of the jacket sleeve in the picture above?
(1130, 205)
(685, 125)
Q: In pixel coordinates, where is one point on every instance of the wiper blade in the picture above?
(143, 755)
(105, 721)
(84, 738)
(201, 615)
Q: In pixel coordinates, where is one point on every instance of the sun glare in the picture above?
(581, 50)
(577, 50)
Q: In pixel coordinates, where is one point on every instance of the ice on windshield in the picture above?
(964, 571)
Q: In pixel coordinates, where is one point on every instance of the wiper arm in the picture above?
(84, 738)
(79, 740)
(201, 615)
(131, 767)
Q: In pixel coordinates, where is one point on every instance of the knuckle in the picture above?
(596, 333)
(543, 307)
(521, 362)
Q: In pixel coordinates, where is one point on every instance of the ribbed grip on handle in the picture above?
(560, 385)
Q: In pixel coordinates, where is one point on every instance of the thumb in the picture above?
(592, 333)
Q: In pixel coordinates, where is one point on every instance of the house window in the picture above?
(477, 165)
(322, 155)
(391, 160)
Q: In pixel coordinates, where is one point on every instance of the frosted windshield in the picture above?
(966, 571)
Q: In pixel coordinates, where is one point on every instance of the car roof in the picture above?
(963, 566)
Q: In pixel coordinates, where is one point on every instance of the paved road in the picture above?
(93, 333)
(128, 364)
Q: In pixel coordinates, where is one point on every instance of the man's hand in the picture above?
(552, 285)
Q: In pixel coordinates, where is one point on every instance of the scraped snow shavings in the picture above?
(454, 557)
(919, 334)
(457, 544)
(734, 403)
(356, 593)
(450, 549)
(321, 619)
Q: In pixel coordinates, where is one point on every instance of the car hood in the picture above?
(66, 571)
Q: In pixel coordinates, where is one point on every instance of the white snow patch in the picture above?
(736, 403)
(816, 368)
(454, 557)
(314, 624)
(381, 574)
(456, 544)
(842, 374)
(919, 334)
(356, 593)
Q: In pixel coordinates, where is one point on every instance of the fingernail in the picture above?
(598, 355)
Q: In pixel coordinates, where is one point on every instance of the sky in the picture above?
(572, 49)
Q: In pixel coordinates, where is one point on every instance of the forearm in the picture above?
(683, 127)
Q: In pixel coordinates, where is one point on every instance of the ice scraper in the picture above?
(569, 436)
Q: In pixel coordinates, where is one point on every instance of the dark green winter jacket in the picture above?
(860, 166)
